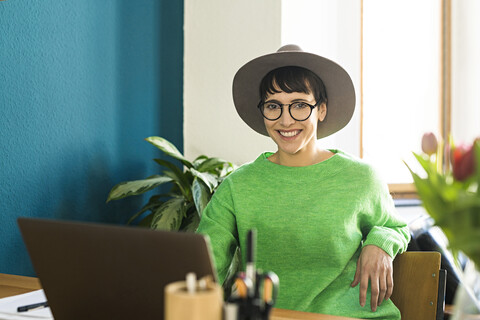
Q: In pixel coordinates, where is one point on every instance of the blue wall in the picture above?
(82, 83)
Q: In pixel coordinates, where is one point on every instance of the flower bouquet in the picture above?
(450, 193)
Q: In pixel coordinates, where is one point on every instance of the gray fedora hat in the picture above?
(338, 84)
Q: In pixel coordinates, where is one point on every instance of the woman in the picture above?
(325, 222)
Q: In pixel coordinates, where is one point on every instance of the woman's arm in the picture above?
(219, 224)
(386, 235)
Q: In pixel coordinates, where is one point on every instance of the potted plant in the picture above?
(192, 188)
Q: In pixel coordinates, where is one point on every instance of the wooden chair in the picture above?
(419, 285)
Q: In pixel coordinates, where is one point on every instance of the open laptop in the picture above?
(98, 271)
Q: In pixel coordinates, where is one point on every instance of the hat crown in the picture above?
(290, 48)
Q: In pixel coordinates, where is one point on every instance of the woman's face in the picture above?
(293, 137)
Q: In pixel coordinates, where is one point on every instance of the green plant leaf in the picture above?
(169, 215)
(178, 172)
(183, 179)
(227, 169)
(426, 191)
(425, 163)
(201, 195)
(198, 160)
(476, 149)
(191, 222)
(147, 221)
(211, 164)
(184, 188)
(209, 179)
(201, 158)
(232, 272)
(131, 188)
(152, 204)
(169, 149)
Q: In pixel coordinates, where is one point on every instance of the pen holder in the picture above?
(250, 309)
(204, 304)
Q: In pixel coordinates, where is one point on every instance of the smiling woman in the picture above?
(292, 196)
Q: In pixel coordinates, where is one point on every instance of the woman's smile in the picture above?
(289, 134)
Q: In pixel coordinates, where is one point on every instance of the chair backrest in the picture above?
(419, 285)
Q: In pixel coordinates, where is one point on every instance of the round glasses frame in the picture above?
(261, 104)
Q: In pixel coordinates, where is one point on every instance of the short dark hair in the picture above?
(293, 79)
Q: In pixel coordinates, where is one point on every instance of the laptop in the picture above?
(99, 271)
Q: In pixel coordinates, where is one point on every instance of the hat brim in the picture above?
(338, 84)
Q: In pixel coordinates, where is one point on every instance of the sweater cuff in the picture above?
(389, 243)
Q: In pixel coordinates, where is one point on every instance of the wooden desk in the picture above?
(282, 314)
(11, 285)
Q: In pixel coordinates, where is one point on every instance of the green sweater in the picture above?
(311, 224)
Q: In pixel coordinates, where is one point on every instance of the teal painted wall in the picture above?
(82, 83)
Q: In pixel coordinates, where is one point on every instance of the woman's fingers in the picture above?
(382, 290)
(356, 278)
(389, 284)
(374, 266)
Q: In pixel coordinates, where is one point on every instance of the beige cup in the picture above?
(202, 305)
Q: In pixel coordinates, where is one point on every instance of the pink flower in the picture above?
(463, 162)
(429, 143)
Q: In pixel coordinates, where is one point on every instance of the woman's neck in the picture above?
(302, 158)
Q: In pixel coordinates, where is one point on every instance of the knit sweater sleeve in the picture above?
(381, 225)
(219, 224)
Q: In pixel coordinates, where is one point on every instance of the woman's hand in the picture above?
(375, 265)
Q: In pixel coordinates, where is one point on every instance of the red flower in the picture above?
(463, 162)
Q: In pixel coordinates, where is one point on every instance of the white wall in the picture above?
(466, 70)
(221, 36)
(332, 30)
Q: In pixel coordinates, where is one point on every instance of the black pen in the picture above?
(33, 306)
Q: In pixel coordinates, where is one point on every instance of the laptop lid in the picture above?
(99, 271)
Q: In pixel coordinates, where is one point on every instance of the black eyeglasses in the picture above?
(299, 111)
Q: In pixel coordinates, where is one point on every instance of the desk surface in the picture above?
(11, 285)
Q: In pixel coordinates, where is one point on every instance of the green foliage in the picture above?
(191, 189)
(453, 204)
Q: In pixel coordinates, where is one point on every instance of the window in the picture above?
(401, 81)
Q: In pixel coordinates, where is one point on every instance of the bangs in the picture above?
(293, 79)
